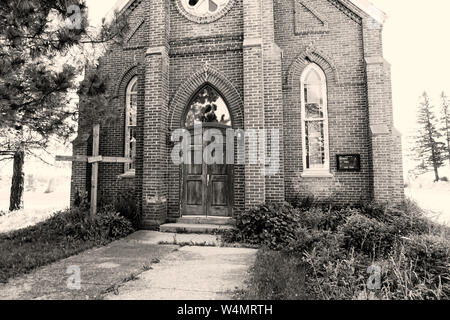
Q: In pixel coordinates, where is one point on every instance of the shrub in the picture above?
(335, 278)
(232, 236)
(368, 236)
(418, 269)
(114, 225)
(431, 255)
(303, 203)
(308, 240)
(125, 204)
(407, 218)
(81, 200)
(325, 219)
(444, 179)
(312, 218)
(334, 247)
(272, 225)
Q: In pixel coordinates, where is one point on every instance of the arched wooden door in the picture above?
(208, 185)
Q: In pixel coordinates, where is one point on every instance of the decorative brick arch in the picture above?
(178, 106)
(124, 78)
(308, 55)
(206, 76)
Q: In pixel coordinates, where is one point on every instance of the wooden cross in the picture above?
(95, 159)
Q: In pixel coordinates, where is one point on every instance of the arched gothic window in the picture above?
(208, 106)
(131, 124)
(316, 155)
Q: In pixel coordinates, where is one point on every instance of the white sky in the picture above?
(415, 43)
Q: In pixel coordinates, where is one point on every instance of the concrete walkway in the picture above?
(127, 269)
(192, 273)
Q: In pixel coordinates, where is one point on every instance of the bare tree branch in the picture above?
(40, 158)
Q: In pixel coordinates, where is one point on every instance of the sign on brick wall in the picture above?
(349, 162)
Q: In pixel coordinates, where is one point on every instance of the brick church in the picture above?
(311, 70)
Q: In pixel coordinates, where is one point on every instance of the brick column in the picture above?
(253, 99)
(155, 150)
(273, 103)
(387, 169)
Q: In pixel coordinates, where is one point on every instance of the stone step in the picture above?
(207, 220)
(194, 228)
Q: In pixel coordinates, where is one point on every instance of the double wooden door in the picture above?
(208, 188)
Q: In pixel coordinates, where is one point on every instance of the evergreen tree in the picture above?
(429, 150)
(446, 121)
(38, 82)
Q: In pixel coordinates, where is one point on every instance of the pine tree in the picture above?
(37, 79)
(446, 121)
(429, 150)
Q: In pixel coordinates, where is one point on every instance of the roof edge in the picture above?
(120, 6)
(368, 9)
(362, 8)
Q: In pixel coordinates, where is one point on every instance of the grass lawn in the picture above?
(285, 279)
(65, 234)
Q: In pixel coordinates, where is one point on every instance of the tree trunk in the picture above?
(447, 129)
(448, 149)
(436, 173)
(18, 182)
(435, 165)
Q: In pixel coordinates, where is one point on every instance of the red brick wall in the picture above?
(339, 52)
(255, 54)
(121, 66)
(273, 101)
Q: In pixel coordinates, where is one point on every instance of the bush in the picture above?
(271, 225)
(303, 203)
(418, 269)
(114, 225)
(444, 179)
(431, 255)
(336, 246)
(125, 204)
(335, 278)
(308, 240)
(368, 236)
(330, 219)
(407, 218)
(81, 200)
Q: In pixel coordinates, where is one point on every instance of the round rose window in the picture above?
(204, 11)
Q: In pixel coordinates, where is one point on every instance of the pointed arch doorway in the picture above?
(207, 185)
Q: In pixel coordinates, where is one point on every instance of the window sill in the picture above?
(317, 174)
(127, 175)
